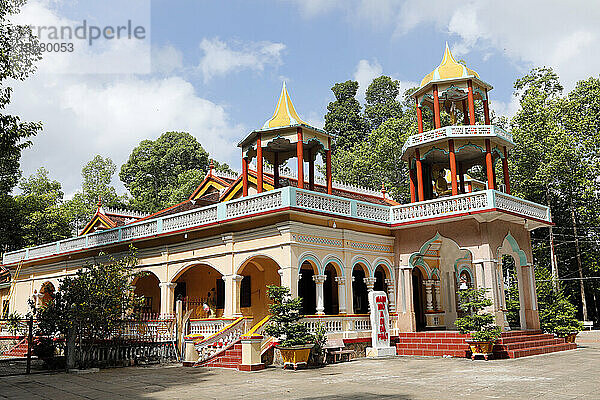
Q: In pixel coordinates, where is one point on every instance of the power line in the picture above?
(568, 279)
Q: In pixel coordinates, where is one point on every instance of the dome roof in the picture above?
(285, 113)
(449, 68)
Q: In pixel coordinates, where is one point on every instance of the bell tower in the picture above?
(455, 89)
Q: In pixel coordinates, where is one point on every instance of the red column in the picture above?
(453, 167)
(411, 172)
(436, 108)
(276, 170)
(259, 165)
(471, 104)
(419, 116)
(486, 110)
(505, 171)
(419, 176)
(244, 176)
(311, 171)
(328, 168)
(300, 155)
(461, 174)
(489, 164)
(465, 113)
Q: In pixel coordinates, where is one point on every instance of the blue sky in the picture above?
(215, 68)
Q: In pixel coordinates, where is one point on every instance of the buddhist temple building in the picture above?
(330, 243)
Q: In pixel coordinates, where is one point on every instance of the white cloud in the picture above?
(364, 74)
(107, 114)
(560, 34)
(220, 58)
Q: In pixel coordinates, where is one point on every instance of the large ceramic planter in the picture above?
(481, 348)
(570, 338)
(295, 355)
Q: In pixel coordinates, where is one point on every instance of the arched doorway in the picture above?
(419, 298)
(258, 273)
(512, 303)
(360, 299)
(307, 288)
(380, 277)
(331, 291)
(147, 287)
(200, 285)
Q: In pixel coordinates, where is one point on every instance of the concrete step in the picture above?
(541, 350)
(525, 338)
(527, 344)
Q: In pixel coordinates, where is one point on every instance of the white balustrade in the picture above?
(14, 256)
(103, 237)
(221, 340)
(71, 244)
(522, 207)
(338, 323)
(43, 250)
(207, 327)
(362, 323)
(190, 218)
(456, 131)
(374, 212)
(254, 204)
(444, 206)
(139, 230)
(315, 201)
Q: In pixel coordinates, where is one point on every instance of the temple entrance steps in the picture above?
(512, 344)
(515, 344)
(18, 350)
(228, 358)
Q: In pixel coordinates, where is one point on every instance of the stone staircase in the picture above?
(19, 350)
(515, 344)
(512, 344)
(231, 357)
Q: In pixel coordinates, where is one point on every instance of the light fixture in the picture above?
(463, 286)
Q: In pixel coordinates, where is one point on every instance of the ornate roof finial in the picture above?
(211, 166)
(285, 114)
(99, 204)
(383, 191)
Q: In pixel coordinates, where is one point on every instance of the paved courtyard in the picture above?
(572, 374)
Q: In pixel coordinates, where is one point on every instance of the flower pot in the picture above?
(570, 338)
(295, 355)
(481, 348)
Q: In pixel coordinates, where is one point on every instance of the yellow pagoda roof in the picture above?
(449, 68)
(285, 113)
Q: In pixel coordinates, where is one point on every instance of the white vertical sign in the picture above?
(380, 326)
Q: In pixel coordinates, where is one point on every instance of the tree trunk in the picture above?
(553, 258)
(579, 264)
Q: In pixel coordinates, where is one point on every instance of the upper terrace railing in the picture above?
(291, 198)
(457, 131)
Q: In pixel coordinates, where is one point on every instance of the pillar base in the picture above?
(378, 352)
(251, 368)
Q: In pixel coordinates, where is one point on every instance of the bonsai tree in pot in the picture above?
(295, 340)
(559, 318)
(484, 332)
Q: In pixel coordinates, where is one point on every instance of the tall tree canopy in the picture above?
(154, 167)
(18, 54)
(382, 102)
(96, 184)
(344, 119)
(42, 218)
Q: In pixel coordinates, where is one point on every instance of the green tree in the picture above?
(42, 219)
(96, 184)
(89, 305)
(344, 119)
(152, 172)
(382, 102)
(18, 54)
(285, 318)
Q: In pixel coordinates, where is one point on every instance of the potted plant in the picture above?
(559, 318)
(295, 340)
(484, 332)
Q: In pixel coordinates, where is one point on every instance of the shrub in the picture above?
(480, 324)
(285, 318)
(559, 318)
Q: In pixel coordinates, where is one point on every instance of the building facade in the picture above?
(328, 242)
